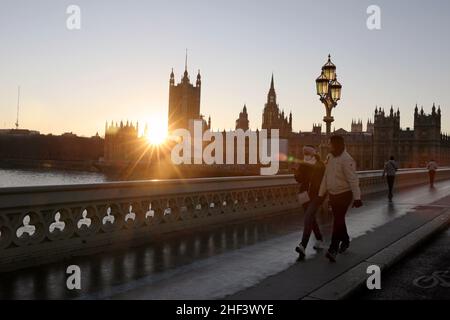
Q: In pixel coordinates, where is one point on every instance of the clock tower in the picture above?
(272, 117)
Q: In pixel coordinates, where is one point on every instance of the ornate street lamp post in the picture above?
(329, 91)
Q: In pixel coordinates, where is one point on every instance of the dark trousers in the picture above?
(310, 222)
(432, 174)
(339, 205)
(390, 181)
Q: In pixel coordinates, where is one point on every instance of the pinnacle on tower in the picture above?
(199, 79)
(172, 78)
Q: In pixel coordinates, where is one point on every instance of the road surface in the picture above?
(425, 274)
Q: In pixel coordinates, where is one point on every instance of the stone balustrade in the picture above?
(44, 224)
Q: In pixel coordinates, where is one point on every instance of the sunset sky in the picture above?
(117, 66)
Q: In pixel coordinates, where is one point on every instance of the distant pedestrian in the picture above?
(341, 182)
(390, 169)
(432, 168)
(309, 174)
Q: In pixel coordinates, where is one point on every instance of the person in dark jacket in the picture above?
(390, 169)
(309, 174)
(432, 168)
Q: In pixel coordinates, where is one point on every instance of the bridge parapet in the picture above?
(43, 224)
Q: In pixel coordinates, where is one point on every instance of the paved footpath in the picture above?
(386, 245)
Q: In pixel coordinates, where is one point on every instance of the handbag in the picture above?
(303, 197)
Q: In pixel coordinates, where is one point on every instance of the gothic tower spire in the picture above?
(186, 75)
(272, 96)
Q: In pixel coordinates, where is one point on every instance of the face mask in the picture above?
(309, 159)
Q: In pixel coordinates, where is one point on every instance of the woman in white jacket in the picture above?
(341, 182)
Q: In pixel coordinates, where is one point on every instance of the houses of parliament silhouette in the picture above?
(370, 148)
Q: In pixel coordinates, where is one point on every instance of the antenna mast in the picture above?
(18, 104)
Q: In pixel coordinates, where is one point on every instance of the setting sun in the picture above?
(157, 132)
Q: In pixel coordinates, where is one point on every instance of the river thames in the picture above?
(37, 177)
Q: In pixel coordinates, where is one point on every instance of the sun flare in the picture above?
(156, 133)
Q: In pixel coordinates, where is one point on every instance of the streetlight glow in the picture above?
(329, 69)
(336, 88)
(322, 85)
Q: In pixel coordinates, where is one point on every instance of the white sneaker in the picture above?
(301, 251)
(319, 245)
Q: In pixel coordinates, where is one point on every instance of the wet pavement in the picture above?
(205, 265)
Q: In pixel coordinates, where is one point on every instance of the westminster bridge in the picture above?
(193, 238)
